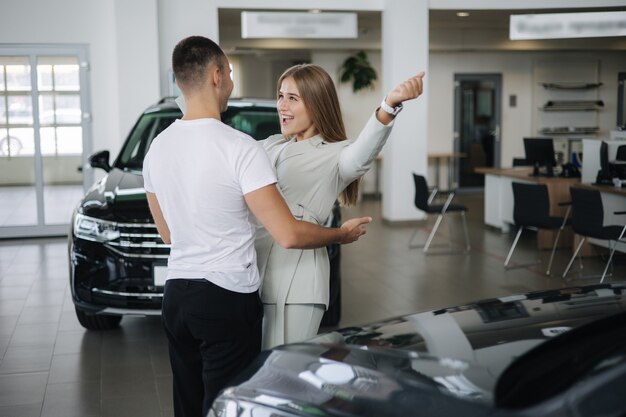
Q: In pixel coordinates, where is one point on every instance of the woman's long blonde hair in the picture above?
(319, 96)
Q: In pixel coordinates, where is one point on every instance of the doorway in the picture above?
(477, 117)
(45, 132)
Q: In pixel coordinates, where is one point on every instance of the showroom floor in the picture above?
(50, 366)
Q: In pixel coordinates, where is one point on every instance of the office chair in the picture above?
(587, 221)
(621, 153)
(520, 162)
(531, 210)
(424, 201)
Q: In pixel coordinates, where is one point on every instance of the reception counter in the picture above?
(499, 201)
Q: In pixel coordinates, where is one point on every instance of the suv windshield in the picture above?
(146, 129)
(257, 121)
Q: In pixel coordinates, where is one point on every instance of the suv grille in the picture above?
(139, 240)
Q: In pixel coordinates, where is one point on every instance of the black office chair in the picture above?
(621, 153)
(520, 162)
(587, 221)
(531, 210)
(424, 201)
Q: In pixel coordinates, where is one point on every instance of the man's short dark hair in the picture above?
(192, 56)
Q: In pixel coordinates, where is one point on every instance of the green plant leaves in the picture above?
(358, 69)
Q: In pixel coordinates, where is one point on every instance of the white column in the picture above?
(404, 53)
(137, 59)
(179, 19)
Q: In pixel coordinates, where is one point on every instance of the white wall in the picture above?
(177, 20)
(256, 78)
(405, 40)
(517, 70)
(122, 41)
(137, 58)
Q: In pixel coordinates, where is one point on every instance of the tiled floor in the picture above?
(50, 366)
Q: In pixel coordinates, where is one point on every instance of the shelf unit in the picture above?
(569, 97)
(581, 130)
(573, 105)
(567, 102)
(570, 86)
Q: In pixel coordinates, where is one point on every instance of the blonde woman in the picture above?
(315, 164)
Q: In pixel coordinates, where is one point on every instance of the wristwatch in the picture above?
(391, 110)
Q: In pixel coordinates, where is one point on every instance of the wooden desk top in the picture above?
(523, 173)
(604, 188)
(436, 155)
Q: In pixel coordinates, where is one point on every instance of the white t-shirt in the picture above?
(200, 170)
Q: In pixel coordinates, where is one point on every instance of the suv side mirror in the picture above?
(100, 160)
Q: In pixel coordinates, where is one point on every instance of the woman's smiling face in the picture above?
(294, 117)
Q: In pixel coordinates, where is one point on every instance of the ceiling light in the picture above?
(462, 14)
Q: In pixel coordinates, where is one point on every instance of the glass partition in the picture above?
(42, 137)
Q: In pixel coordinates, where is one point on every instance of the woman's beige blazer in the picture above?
(311, 174)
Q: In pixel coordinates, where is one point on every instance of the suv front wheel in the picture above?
(97, 322)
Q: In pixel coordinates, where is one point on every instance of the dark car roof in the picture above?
(168, 104)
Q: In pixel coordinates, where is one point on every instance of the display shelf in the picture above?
(568, 130)
(567, 98)
(570, 86)
(573, 105)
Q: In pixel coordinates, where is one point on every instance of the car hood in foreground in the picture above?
(435, 360)
(324, 379)
(119, 196)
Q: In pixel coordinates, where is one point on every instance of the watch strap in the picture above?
(391, 110)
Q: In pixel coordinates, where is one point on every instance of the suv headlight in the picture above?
(97, 230)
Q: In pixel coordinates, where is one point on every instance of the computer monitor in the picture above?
(609, 169)
(540, 153)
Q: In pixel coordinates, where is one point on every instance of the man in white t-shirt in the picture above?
(207, 184)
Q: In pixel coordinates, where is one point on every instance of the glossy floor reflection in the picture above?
(50, 366)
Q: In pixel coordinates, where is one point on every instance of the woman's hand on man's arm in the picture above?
(269, 207)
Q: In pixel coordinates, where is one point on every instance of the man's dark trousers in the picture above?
(213, 334)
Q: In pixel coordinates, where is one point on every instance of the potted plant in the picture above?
(359, 71)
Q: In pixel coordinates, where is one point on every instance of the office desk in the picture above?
(450, 158)
(499, 199)
(607, 189)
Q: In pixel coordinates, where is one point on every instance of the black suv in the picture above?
(117, 258)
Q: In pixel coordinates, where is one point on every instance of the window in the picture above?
(59, 107)
(16, 111)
